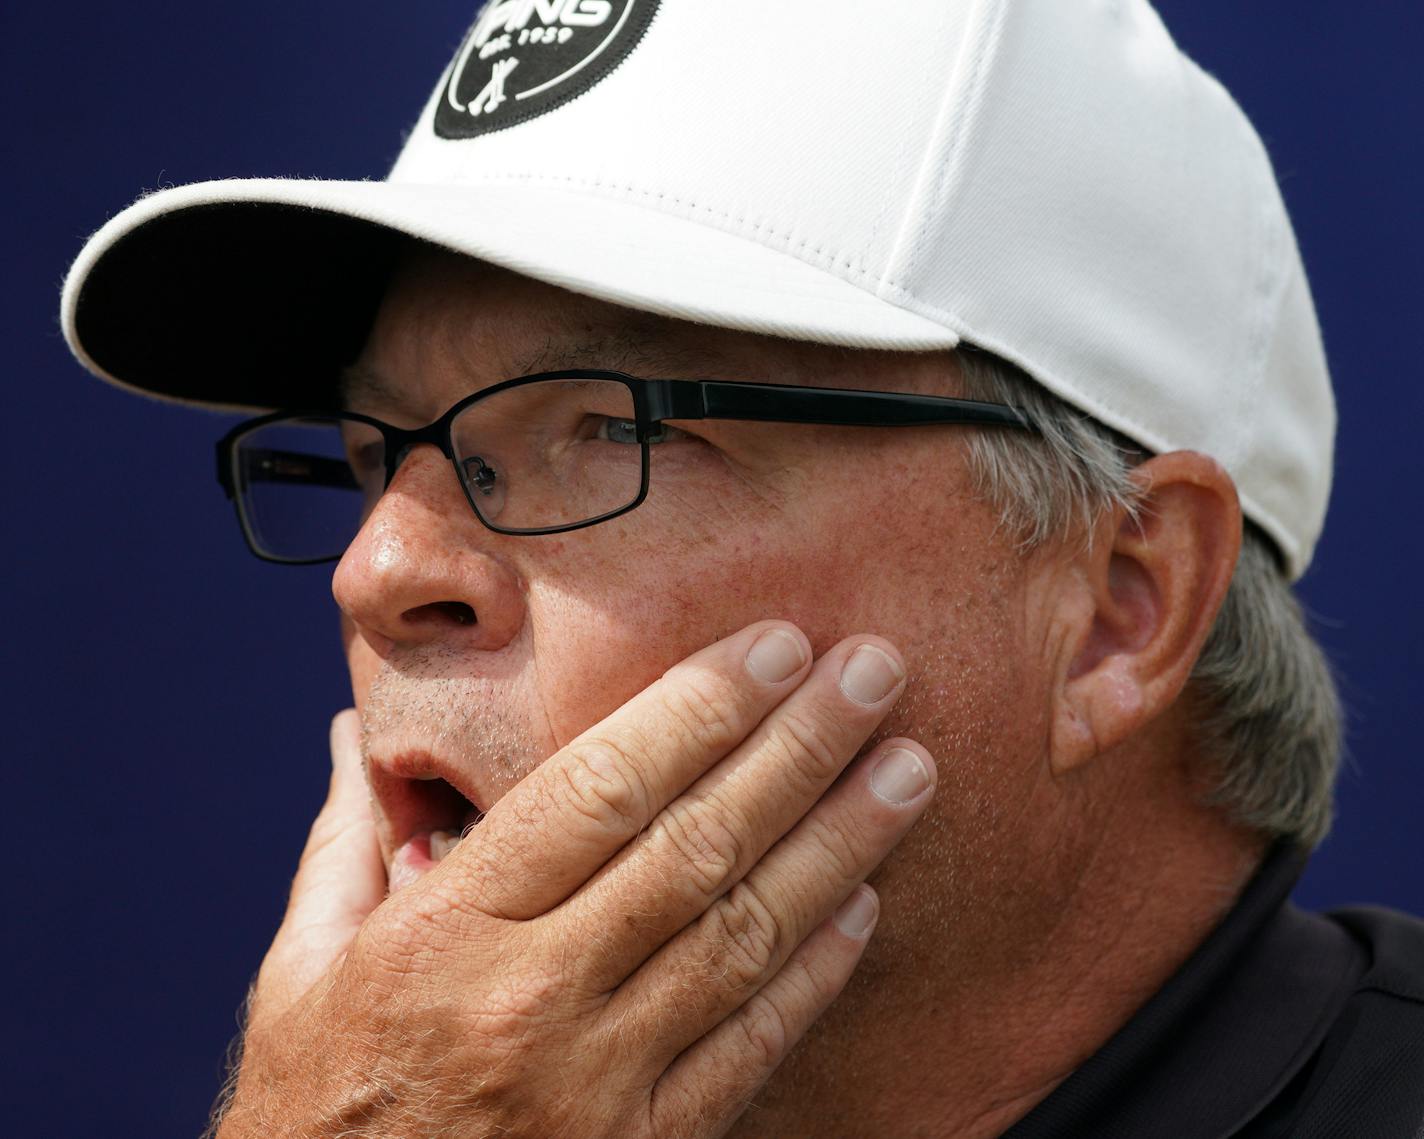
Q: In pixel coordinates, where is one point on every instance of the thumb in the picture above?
(340, 879)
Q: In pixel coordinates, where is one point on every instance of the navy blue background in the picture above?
(168, 696)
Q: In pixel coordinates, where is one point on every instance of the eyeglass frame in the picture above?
(654, 401)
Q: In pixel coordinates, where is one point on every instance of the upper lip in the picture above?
(412, 798)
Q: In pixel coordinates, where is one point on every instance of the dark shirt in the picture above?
(1282, 1024)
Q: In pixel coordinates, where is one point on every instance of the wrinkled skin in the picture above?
(1062, 868)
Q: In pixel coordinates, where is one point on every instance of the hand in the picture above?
(628, 944)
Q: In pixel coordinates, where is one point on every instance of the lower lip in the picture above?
(411, 862)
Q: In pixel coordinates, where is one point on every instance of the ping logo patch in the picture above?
(525, 57)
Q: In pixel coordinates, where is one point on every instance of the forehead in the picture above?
(459, 324)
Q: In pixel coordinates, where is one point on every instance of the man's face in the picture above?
(476, 655)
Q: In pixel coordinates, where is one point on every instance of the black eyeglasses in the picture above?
(540, 454)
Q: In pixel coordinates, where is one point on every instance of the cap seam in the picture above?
(1278, 250)
(985, 35)
(885, 215)
(941, 160)
(1270, 295)
(1267, 291)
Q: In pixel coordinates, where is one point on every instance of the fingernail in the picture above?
(900, 776)
(870, 675)
(774, 656)
(858, 912)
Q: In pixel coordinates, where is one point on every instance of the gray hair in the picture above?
(1269, 720)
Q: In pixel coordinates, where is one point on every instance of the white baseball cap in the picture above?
(1050, 180)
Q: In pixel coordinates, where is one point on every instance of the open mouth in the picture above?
(425, 814)
(447, 803)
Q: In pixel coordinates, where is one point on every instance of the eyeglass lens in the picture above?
(555, 453)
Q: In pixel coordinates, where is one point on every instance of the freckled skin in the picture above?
(986, 980)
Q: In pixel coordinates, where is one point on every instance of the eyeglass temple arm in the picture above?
(713, 399)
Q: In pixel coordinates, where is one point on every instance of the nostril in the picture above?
(458, 611)
(455, 611)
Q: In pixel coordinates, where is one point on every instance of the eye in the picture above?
(367, 459)
(615, 430)
(365, 453)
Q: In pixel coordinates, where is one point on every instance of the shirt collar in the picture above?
(1225, 1034)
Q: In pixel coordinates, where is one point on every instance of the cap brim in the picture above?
(251, 293)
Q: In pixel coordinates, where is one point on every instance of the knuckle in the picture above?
(498, 1005)
(399, 941)
(809, 745)
(747, 937)
(688, 1112)
(840, 853)
(706, 848)
(516, 1006)
(812, 982)
(706, 704)
(388, 954)
(765, 1032)
(604, 786)
(413, 934)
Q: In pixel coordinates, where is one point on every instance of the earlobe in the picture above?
(1098, 711)
(1149, 589)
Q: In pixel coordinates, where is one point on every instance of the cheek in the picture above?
(601, 636)
(608, 621)
(612, 609)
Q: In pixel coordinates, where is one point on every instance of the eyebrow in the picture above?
(635, 347)
(356, 380)
(624, 350)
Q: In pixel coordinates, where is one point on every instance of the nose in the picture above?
(422, 568)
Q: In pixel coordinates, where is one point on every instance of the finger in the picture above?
(572, 813)
(339, 880)
(709, 838)
(708, 1086)
(718, 963)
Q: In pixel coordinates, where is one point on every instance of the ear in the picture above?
(1141, 602)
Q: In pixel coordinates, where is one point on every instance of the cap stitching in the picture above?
(743, 223)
